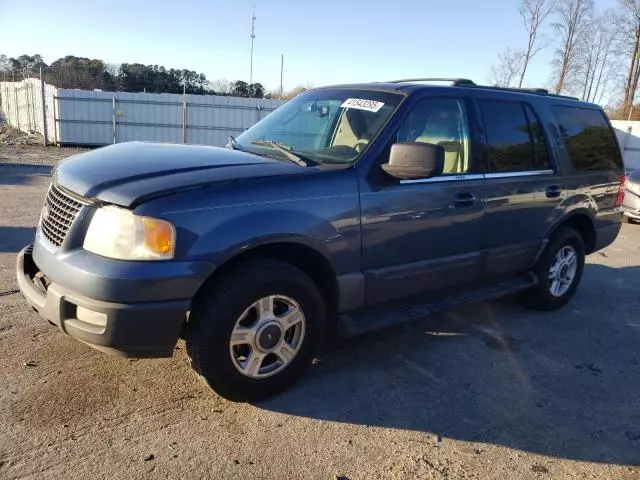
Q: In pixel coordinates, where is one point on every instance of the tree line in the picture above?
(596, 54)
(89, 74)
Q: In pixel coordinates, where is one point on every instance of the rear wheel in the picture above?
(252, 333)
(559, 271)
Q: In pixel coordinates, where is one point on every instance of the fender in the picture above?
(245, 229)
(216, 223)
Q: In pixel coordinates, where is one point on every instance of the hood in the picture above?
(128, 173)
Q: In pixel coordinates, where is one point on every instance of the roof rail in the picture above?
(464, 82)
(455, 82)
(538, 91)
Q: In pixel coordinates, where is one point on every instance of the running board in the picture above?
(376, 318)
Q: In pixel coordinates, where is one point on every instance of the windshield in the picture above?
(323, 126)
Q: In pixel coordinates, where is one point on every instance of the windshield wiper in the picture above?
(285, 150)
(232, 143)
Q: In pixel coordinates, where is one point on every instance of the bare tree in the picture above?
(628, 25)
(595, 55)
(4, 66)
(510, 63)
(533, 13)
(112, 69)
(288, 95)
(571, 26)
(222, 86)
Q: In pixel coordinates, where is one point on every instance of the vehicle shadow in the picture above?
(564, 383)
(23, 173)
(14, 239)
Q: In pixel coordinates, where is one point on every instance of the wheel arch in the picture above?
(582, 222)
(298, 251)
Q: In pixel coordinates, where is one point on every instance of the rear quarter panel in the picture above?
(590, 193)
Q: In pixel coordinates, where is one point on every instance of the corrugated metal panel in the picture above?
(50, 93)
(211, 119)
(22, 105)
(148, 117)
(83, 117)
(86, 118)
(629, 138)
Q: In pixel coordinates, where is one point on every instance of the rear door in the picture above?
(525, 190)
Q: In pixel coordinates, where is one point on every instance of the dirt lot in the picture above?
(489, 392)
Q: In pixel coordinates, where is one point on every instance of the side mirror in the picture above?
(413, 160)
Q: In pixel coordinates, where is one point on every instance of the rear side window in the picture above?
(515, 142)
(588, 138)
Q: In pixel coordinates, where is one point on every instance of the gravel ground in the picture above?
(489, 392)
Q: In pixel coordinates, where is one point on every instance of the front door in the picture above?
(419, 236)
(524, 189)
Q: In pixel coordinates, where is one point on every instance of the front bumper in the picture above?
(132, 329)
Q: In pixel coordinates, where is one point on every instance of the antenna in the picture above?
(253, 36)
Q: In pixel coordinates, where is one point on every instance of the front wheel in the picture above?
(254, 331)
(559, 271)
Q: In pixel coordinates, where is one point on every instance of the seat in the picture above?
(440, 131)
(358, 125)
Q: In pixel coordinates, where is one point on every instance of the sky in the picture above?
(323, 42)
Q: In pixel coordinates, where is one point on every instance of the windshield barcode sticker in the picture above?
(360, 104)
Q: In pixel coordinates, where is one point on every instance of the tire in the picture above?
(542, 297)
(230, 303)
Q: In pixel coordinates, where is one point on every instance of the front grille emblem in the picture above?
(45, 213)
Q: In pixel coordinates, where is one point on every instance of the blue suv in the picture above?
(350, 208)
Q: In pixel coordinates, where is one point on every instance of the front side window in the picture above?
(588, 138)
(323, 126)
(514, 138)
(440, 121)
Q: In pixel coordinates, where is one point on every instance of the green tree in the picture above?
(256, 90)
(240, 88)
(25, 66)
(79, 72)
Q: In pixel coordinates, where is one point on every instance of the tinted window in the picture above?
(513, 143)
(540, 144)
(588, 138)
(440, 121)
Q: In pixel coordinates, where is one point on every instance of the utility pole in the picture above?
(281, 72)
(184, 111)
(45, 136)
(253, 36)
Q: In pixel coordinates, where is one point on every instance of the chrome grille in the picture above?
(58, 214)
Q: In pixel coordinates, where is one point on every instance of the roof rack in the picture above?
(538, 91)
(465, 82)
(455, 82)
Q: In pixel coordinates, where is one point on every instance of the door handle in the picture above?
(553, 191)
(465, 199)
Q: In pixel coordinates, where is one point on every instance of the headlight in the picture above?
(118, 233)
